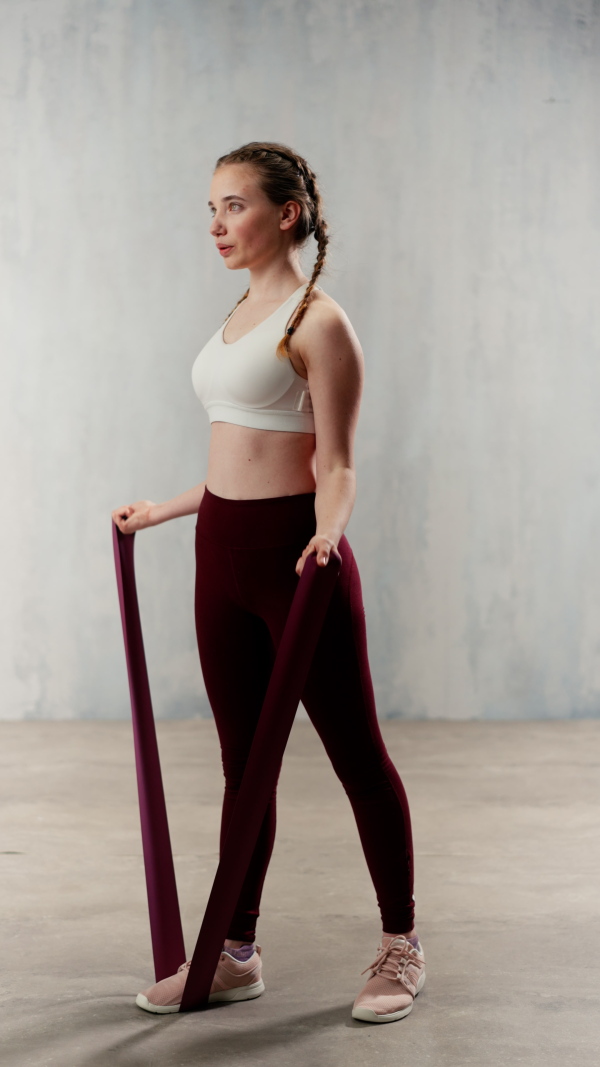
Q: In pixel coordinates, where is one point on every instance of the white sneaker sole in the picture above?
(367, 1015)
(242, 992)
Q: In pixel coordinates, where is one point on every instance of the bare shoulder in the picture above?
(325, 328)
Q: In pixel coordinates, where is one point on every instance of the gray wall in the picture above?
(457, 145)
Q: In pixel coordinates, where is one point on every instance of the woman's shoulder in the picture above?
(324, 302)
(324, 329)
(324, 313)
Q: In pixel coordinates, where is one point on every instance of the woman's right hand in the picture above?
(133, 517)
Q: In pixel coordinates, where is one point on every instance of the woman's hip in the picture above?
(262, 523)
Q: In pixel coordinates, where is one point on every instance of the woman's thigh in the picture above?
(237, 648)
(338, 694)
(236, 655)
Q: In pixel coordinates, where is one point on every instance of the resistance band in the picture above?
(288, 676)
(165, 920)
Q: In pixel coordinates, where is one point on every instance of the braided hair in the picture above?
(284, 175)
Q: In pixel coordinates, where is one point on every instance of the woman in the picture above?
(281, 382)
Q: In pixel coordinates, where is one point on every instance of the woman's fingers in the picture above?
(300, 563)
(322, 552)
(119, 515)
(125, 519)
(132, 517)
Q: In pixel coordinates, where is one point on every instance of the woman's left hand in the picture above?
(323, 546)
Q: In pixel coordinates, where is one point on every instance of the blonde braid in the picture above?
(322, 239)
(283, 348)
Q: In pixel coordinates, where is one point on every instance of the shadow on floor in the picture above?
(99, 1033)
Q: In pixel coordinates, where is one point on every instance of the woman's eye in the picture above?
(234, 205)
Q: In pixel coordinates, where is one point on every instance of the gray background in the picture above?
(457, 147)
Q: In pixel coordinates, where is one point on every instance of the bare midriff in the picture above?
(248, 464)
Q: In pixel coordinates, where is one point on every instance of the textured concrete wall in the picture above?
(457, 144)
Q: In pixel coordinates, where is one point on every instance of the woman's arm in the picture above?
(145, 513)
(335, 364)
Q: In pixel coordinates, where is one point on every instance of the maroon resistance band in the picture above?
(288, 676)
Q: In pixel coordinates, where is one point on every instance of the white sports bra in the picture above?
(244, 381)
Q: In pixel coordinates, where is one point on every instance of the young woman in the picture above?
(281, 382)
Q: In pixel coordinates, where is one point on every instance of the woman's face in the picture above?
(247, 228)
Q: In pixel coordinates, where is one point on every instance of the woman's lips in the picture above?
(225, 250)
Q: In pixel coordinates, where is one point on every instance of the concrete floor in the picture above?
(505, 819)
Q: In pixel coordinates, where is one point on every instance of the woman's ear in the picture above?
(290, 213)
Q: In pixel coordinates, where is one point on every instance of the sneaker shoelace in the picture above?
(186, 966)
(392, 960)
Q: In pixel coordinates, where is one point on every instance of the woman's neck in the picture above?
(275, 281)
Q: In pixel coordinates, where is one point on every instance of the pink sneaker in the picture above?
(397, 975)
(233, 980)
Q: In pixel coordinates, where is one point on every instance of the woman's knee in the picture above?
(234, 767)
(366, 774)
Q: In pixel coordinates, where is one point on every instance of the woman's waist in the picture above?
(256, 522)
(261, 484)
(245, 463)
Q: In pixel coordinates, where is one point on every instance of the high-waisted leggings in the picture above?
(246, 554)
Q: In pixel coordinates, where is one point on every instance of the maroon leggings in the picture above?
(246, 553)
